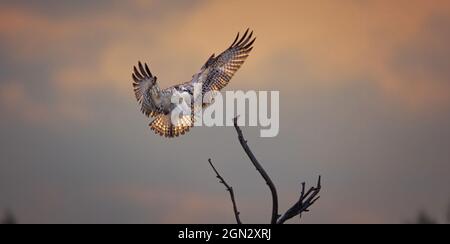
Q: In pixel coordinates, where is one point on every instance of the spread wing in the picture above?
(144, 83)
(218, 71)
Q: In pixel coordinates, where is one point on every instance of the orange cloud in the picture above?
(14, 100)
(17, 102)
(339, 41)
(336, 41)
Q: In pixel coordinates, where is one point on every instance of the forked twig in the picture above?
(306, 200)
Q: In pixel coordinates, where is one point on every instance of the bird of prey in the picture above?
(215, 74)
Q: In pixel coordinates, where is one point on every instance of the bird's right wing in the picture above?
(218, 71)
(144, 83)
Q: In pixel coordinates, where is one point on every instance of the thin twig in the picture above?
(230, 190)
(306, 200)
(261, 170)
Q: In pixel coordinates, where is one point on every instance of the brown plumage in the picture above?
(215, 74)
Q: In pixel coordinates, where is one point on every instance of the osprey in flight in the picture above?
(215, 74)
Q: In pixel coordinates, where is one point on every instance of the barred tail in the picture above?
(163, 125)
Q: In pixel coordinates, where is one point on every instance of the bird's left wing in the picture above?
(144, 82)
(218, 71)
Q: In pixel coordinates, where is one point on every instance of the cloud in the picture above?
(364, 88)
(91, 52)
(15, 101)
(420, 65)
(338, 42)
(174, 205)
(61, 60)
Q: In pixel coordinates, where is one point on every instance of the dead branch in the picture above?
(306, 200)
(230, 190)
(261, 170)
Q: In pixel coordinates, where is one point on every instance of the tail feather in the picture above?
(163, 126)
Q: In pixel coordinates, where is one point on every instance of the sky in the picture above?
(364, 97)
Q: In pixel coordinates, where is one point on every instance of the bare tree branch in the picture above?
(306, 200)
(261, 170)
(230, 190)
